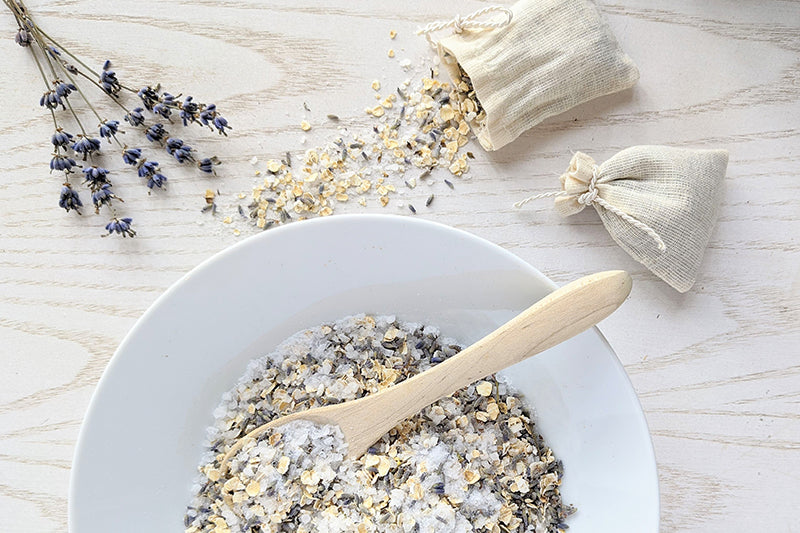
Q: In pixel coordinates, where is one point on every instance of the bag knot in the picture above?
(579, 188)
(578, 185)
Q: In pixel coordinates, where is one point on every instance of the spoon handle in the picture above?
(555, 318)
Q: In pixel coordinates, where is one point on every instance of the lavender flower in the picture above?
(156, 180)
(51, 100)
(135, 117)
(103, 196)
(121, 226)
(61, 139)
(109, 129)
(207, 115)
(220, 123)
(63, 89)
(151, 171)
(23, 38)
(180, 151)
(62, 163)
(108, 79)
(168, 100)
(162, 110)
(86, 146)
(53, 51)
(211, 118)
(149, 97)
(70, 199)
(189, 111)
(207, 165)
(131, 155)
(155, 133)
(95, 177)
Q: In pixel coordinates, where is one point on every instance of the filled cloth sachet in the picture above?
(658, 203)
(527, 63)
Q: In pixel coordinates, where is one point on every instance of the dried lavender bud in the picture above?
(23, 38)
(135, 117)
(162, 110)
(131, 155)
(62, 163)
(109, 129)
(103, 196)
(86, 146)
(211, 118)
(207, 164)
(149, 97)
(108, 80)
(221, 123)
(63, 89)
(180, 151)
(151, 171)
(95, 177)
(70, 199)
(189, 111)
(156, 133)
(51, 100)
(121, 226)
(61, 139)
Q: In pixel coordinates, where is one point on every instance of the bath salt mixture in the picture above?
(467, 101)
(469, 462)
(420, 127)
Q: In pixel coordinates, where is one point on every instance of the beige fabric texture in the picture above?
(674, 191)
(554, 55)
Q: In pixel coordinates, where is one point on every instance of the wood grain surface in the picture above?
(716, 369)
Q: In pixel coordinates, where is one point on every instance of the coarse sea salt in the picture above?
(469, 462)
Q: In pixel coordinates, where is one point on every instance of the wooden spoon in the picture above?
(555, 318)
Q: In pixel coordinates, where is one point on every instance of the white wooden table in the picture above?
(717, 369)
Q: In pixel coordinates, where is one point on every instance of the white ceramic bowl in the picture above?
(141, 440)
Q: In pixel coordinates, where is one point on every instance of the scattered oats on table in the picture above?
(420, 127)
(469, 462)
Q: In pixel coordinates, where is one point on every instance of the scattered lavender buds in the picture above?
(60, 69)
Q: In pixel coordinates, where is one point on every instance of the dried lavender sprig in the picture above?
(84, 144)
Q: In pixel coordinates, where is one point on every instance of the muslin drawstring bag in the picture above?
(658, 203)
(535, 60)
